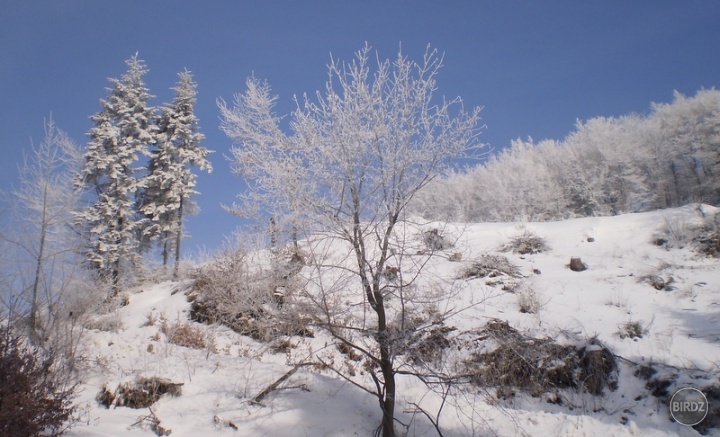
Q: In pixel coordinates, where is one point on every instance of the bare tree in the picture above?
(354, 158)
(42, 208)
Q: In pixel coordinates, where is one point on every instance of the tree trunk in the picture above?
(178, 238)
(114, 279)
(386, 367)
(166, 250)
(38, 267)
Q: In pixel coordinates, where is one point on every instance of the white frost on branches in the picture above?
(353, 159)
(170, 182)
(122, 131)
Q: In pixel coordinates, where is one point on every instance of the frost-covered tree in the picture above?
(690, 146)
(39, 231)
(170, 182)
(123, 130)
(354, 159)
(607, 165)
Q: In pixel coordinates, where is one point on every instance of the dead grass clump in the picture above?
(141, 393)
(657, 282)
(490, 266)
(632, 330)
(539, 365)
(428, 346)
(107, 323)
(187, 335)
(282, 346)
(526, 244)
(349, 351)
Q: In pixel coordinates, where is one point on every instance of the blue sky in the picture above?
(535, 66)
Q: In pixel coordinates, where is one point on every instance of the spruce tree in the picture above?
(170, 181)
(123, 130)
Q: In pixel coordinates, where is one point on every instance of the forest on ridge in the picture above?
(606, 166)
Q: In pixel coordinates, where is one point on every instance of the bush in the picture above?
(187, 335)
(708, 243)
(428, 346)
(435, 240)
(540, 365)
(107, 323)
(632, 330)
(141, 393)
(528, 300)
(33, 398)
(490, 266)
(247, 299)
(526, 244)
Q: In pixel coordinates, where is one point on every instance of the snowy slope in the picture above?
(681, 323)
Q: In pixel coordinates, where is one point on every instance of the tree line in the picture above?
(606, 166)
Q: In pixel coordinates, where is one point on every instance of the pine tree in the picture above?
(123, 131)
(170, 182)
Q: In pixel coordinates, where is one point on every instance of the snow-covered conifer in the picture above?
(170, 182)
(122, 131)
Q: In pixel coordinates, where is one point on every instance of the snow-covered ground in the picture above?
(681, 326)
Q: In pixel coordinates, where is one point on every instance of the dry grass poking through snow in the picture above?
(540, 365)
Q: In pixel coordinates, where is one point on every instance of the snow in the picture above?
(683, 330)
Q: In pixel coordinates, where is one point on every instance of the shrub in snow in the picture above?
(188, 335)
(540, 365)
(435, 240)
(632, 330)
(141, 393)
(246, 299)
(658, 282)
(528, 300)
(428, 346)
(526, 244)
(152, 423)
(708, 243)
(33, 397)
(490, 266)
(677, 232)
(700, 232)
(456, 257)
(107, 323)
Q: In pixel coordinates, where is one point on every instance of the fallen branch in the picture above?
(257, 400)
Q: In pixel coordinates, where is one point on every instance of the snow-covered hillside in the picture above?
(647, 295)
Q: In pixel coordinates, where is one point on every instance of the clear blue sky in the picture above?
(535, 66)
